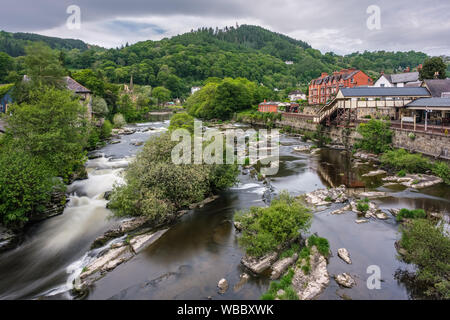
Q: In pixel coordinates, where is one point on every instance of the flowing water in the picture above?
(189, 259)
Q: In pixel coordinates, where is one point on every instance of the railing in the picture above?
(326, 110)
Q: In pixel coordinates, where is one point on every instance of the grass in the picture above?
(284, 284)
(410, 214)
(290, 252)
(363, 205)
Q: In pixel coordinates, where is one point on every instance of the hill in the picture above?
(14, 43)
(189, 59)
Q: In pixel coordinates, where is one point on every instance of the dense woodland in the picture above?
(189, 59)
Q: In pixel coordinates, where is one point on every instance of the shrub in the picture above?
(266, 228)
(376, 136)
(401, 173)
(284, 284)
(106, 130)
(26, 185)
(363, 205)
(411, 214)
(119, 120)
(182, 121)
(428, 247)
(442, 170)
(321, 244)
(400, 159)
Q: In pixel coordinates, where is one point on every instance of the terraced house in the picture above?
(325, 88)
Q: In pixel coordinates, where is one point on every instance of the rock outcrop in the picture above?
(345, 280)
(309, 285)
(416, 181)
(8, 239)
(259, 265)
(223, 286)
(344, 255)
(326, 196)
(281, 266)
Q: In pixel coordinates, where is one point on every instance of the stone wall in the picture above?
(435, 145)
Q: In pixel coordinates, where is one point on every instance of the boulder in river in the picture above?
(8, 239)
(223, 286)
(344, 255)
(326, 196)
(374, 173)
(282, 265)
(259, 265)
(345, 280)
(243, 279)
(141, 242)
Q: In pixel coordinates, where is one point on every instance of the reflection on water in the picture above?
(202, 248)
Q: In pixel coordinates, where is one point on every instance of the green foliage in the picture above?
(401, 173)
(26, 186)
(376, 136)
(442, 170)
(42, 65)
(428, 247)
(119, 120)
(411, 214)
(266, 228)
(51, 127)
(157, 188)
(431, 66)
(106, 129)
(322, 245)
(161, 94)
(401, 159)
(99, 107)
(363, 205)
(182, 121)
(6, 65)
(290, 252)
(284, 284)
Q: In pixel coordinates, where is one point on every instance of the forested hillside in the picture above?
(189, 59)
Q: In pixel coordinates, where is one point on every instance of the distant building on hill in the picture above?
(325, 88)
(195, 89)
(296, 95)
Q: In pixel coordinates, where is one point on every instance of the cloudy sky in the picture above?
(329, 25)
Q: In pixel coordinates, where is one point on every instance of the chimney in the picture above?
(382, 72)
(420, 67)
(324, 74)
(335, 73)
(407, 69)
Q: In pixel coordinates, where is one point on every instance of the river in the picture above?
(189, 259)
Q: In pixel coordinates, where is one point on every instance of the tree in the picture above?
(182, 121)
(376, 136)
(26, 183)
(51, 127)
(43, 66)
(432, 66)
(6, 65)
(99, 106)
(162, 94)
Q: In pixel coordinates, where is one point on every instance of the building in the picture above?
(363, 103)
(429, 112)
(406, 79)
(439, 88)
(5, 97)
(84, 93)
(296, 95)
(195, 89)
(288, 62)
(269, 106)
(325, 88)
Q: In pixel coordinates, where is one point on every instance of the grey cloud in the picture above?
(406, 24)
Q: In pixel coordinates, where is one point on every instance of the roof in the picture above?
(295, 92)
(405, 77)
(269, 103)
(75, 86)
(438, 86)
(384, 92)
(430, 103)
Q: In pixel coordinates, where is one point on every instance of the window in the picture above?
(382, 85)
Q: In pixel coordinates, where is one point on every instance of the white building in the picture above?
(195, 89)
(289, 62)
(400, 80)
(296, 95)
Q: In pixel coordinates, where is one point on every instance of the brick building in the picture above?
(268, 107)
(327, 86)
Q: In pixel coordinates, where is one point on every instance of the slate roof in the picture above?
(405, 77)
(438, 86)
(295, 92)
(430, 102)
(75, 86)
(384, 92)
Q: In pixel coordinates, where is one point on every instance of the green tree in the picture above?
(52, 128)
(99, 106)
(376, 136)
(6, 65)
(26, 185)
(43, 66)
(162, 94)
(432, 66)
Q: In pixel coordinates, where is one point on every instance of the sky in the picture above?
(341, 26)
